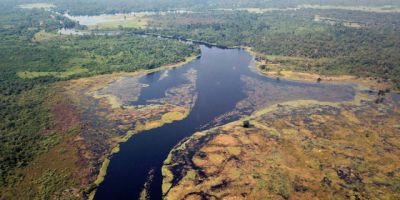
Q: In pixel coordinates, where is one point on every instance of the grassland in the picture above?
(62, 75)
(37, 6)
(297, 150)
(43, 36)
(123, 21)
(138, 20)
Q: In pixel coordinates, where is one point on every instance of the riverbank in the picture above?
(279, 70)
(110, 108)
(68, 164)
(299, 149)
(282, 70)
(217, 156)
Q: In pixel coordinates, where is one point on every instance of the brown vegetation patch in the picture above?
(343, 151)
(225, 140)
(60, 172)
(65, 116)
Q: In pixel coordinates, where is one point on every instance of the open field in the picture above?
(123, 21)
(130, 20)
(72, 71)
(43, 36)
(37, 6)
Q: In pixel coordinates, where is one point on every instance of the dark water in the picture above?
(158, 84)
(220, 87)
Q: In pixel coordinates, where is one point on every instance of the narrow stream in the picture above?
(221, 75)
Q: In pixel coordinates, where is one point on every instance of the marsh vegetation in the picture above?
(293, 151)
(76, 83)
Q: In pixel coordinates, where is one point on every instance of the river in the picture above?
(224, 79)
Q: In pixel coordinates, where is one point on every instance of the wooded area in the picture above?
(95, 7)
(28, 67)
(367, 51)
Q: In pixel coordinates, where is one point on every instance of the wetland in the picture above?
(174, 102)
(224, 86)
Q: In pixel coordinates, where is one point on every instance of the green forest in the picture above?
(28, 68)
(369, 50)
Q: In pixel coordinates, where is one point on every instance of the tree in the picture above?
(246, 124)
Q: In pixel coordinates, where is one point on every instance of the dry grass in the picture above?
(122, 21)
(43, 36)
(65, 74)
(299, 151)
